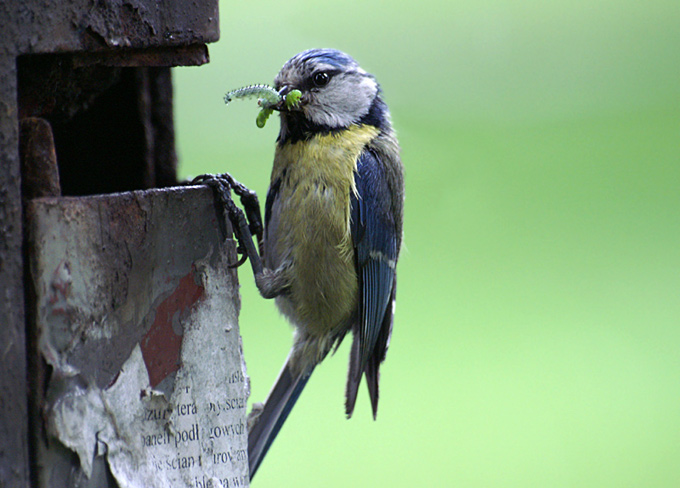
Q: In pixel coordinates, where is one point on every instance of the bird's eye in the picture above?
(321, 79)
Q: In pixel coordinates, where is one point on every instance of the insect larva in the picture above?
(267, 96)
(262, 117)
(264, 92)
(293, 98)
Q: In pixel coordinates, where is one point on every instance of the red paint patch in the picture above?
(161, 345)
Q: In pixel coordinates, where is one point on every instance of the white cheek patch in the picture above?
(344, 101)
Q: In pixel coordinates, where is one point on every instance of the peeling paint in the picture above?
(161, 345)
(152, 380)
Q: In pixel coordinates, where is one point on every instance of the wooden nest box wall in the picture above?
(120, 357)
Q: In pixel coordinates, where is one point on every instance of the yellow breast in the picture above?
(313, 229)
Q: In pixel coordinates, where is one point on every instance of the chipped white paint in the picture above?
(191, 430)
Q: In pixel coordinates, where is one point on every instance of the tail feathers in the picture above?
(371, 370)
(370, 366)
(353, 377)
(278, 405)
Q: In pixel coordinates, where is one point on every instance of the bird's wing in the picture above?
(375, 239)
(271, 222)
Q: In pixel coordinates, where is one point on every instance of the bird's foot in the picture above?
(244, 225)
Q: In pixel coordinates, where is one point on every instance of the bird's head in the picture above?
(336, 93)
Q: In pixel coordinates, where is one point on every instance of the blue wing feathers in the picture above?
(269, 203)
(375, 241)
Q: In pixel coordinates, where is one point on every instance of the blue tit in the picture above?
(332, 229)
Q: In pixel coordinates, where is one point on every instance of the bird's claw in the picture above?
(244, 225)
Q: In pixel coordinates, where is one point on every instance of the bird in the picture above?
(332, 230)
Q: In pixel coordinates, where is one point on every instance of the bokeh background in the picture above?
(537, 333)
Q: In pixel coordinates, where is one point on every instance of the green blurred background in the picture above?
(537, 332)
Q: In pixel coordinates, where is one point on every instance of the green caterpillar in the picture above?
(267, 97)
(262, 116)
(293, 98)
(263, 92)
